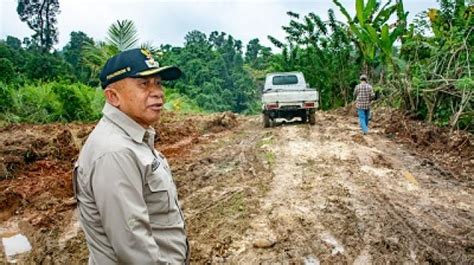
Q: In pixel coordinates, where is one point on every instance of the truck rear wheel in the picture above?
(312, 117)
(304, 117)
(266, 120)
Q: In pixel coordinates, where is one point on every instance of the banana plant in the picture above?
(370, 29)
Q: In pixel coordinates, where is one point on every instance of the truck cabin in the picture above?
(285, 81)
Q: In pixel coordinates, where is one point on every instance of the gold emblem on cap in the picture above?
(146, 52)
(150, 62)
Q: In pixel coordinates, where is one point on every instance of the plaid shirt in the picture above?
(363, 93)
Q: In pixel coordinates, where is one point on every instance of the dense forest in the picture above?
(422, 67)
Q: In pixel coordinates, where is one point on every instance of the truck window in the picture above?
(285, 80)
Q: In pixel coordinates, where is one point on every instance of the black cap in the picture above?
(135, 63)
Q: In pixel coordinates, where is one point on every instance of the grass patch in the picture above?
(268, 140)
(270, 157)
(235, 205)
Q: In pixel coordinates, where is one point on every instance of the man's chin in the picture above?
(153, 119)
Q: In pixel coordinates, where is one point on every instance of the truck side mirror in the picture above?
(307, 85)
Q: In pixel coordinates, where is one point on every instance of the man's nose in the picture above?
(157, 91)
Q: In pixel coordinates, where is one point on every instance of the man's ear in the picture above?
(111, 95)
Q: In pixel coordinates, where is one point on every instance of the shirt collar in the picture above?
(131, 127)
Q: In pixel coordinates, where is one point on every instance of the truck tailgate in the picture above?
(286, 96)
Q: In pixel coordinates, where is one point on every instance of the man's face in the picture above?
(140, 98)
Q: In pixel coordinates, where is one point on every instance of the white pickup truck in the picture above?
(287, 95)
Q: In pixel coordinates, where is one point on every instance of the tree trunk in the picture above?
(430, 105)
(466, 97)
(41, 24)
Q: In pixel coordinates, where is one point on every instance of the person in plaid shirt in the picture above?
(363, 94)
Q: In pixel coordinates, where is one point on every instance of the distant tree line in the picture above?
(424, 67)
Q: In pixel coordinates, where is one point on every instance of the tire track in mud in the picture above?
(415, 237)
(410, 236)
(338, 197)
(405, 232)
(290, 217)
(396, 225)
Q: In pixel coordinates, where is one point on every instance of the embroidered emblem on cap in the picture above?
(146, 52)
(150, 62)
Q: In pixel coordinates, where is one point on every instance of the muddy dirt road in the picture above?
(292, 194)
(338, 197)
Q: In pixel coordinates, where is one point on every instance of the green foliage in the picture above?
(429, 75)
(177, 102)
(371, 33)
(123, 34)
(50, 102)
(439, 65)
(41, 18)
(79, 102)
(29, 65)
(47, 67)
(464, 84)
(37, 104)
(7, 70)
(215, 77)
(13, 42)
(73, 54)
(324, 53)
(6, 95)
(256, 55)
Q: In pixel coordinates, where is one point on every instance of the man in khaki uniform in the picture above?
(126, 196)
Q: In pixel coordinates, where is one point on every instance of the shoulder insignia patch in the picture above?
(155, 164)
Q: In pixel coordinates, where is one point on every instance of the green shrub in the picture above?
(79, 102)
(61, 101)
(5, 97)
(47, 67)
(177, 102)
(50, 102)
(36, 104)
(7, 70)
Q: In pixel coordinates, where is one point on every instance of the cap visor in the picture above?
(166, 72)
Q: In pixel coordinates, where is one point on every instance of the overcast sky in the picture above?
(167, 22)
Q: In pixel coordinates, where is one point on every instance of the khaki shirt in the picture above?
(127, 199)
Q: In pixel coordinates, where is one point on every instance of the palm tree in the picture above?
(95, 56)
(121, 36)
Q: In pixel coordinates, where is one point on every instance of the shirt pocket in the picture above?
(157, 196)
